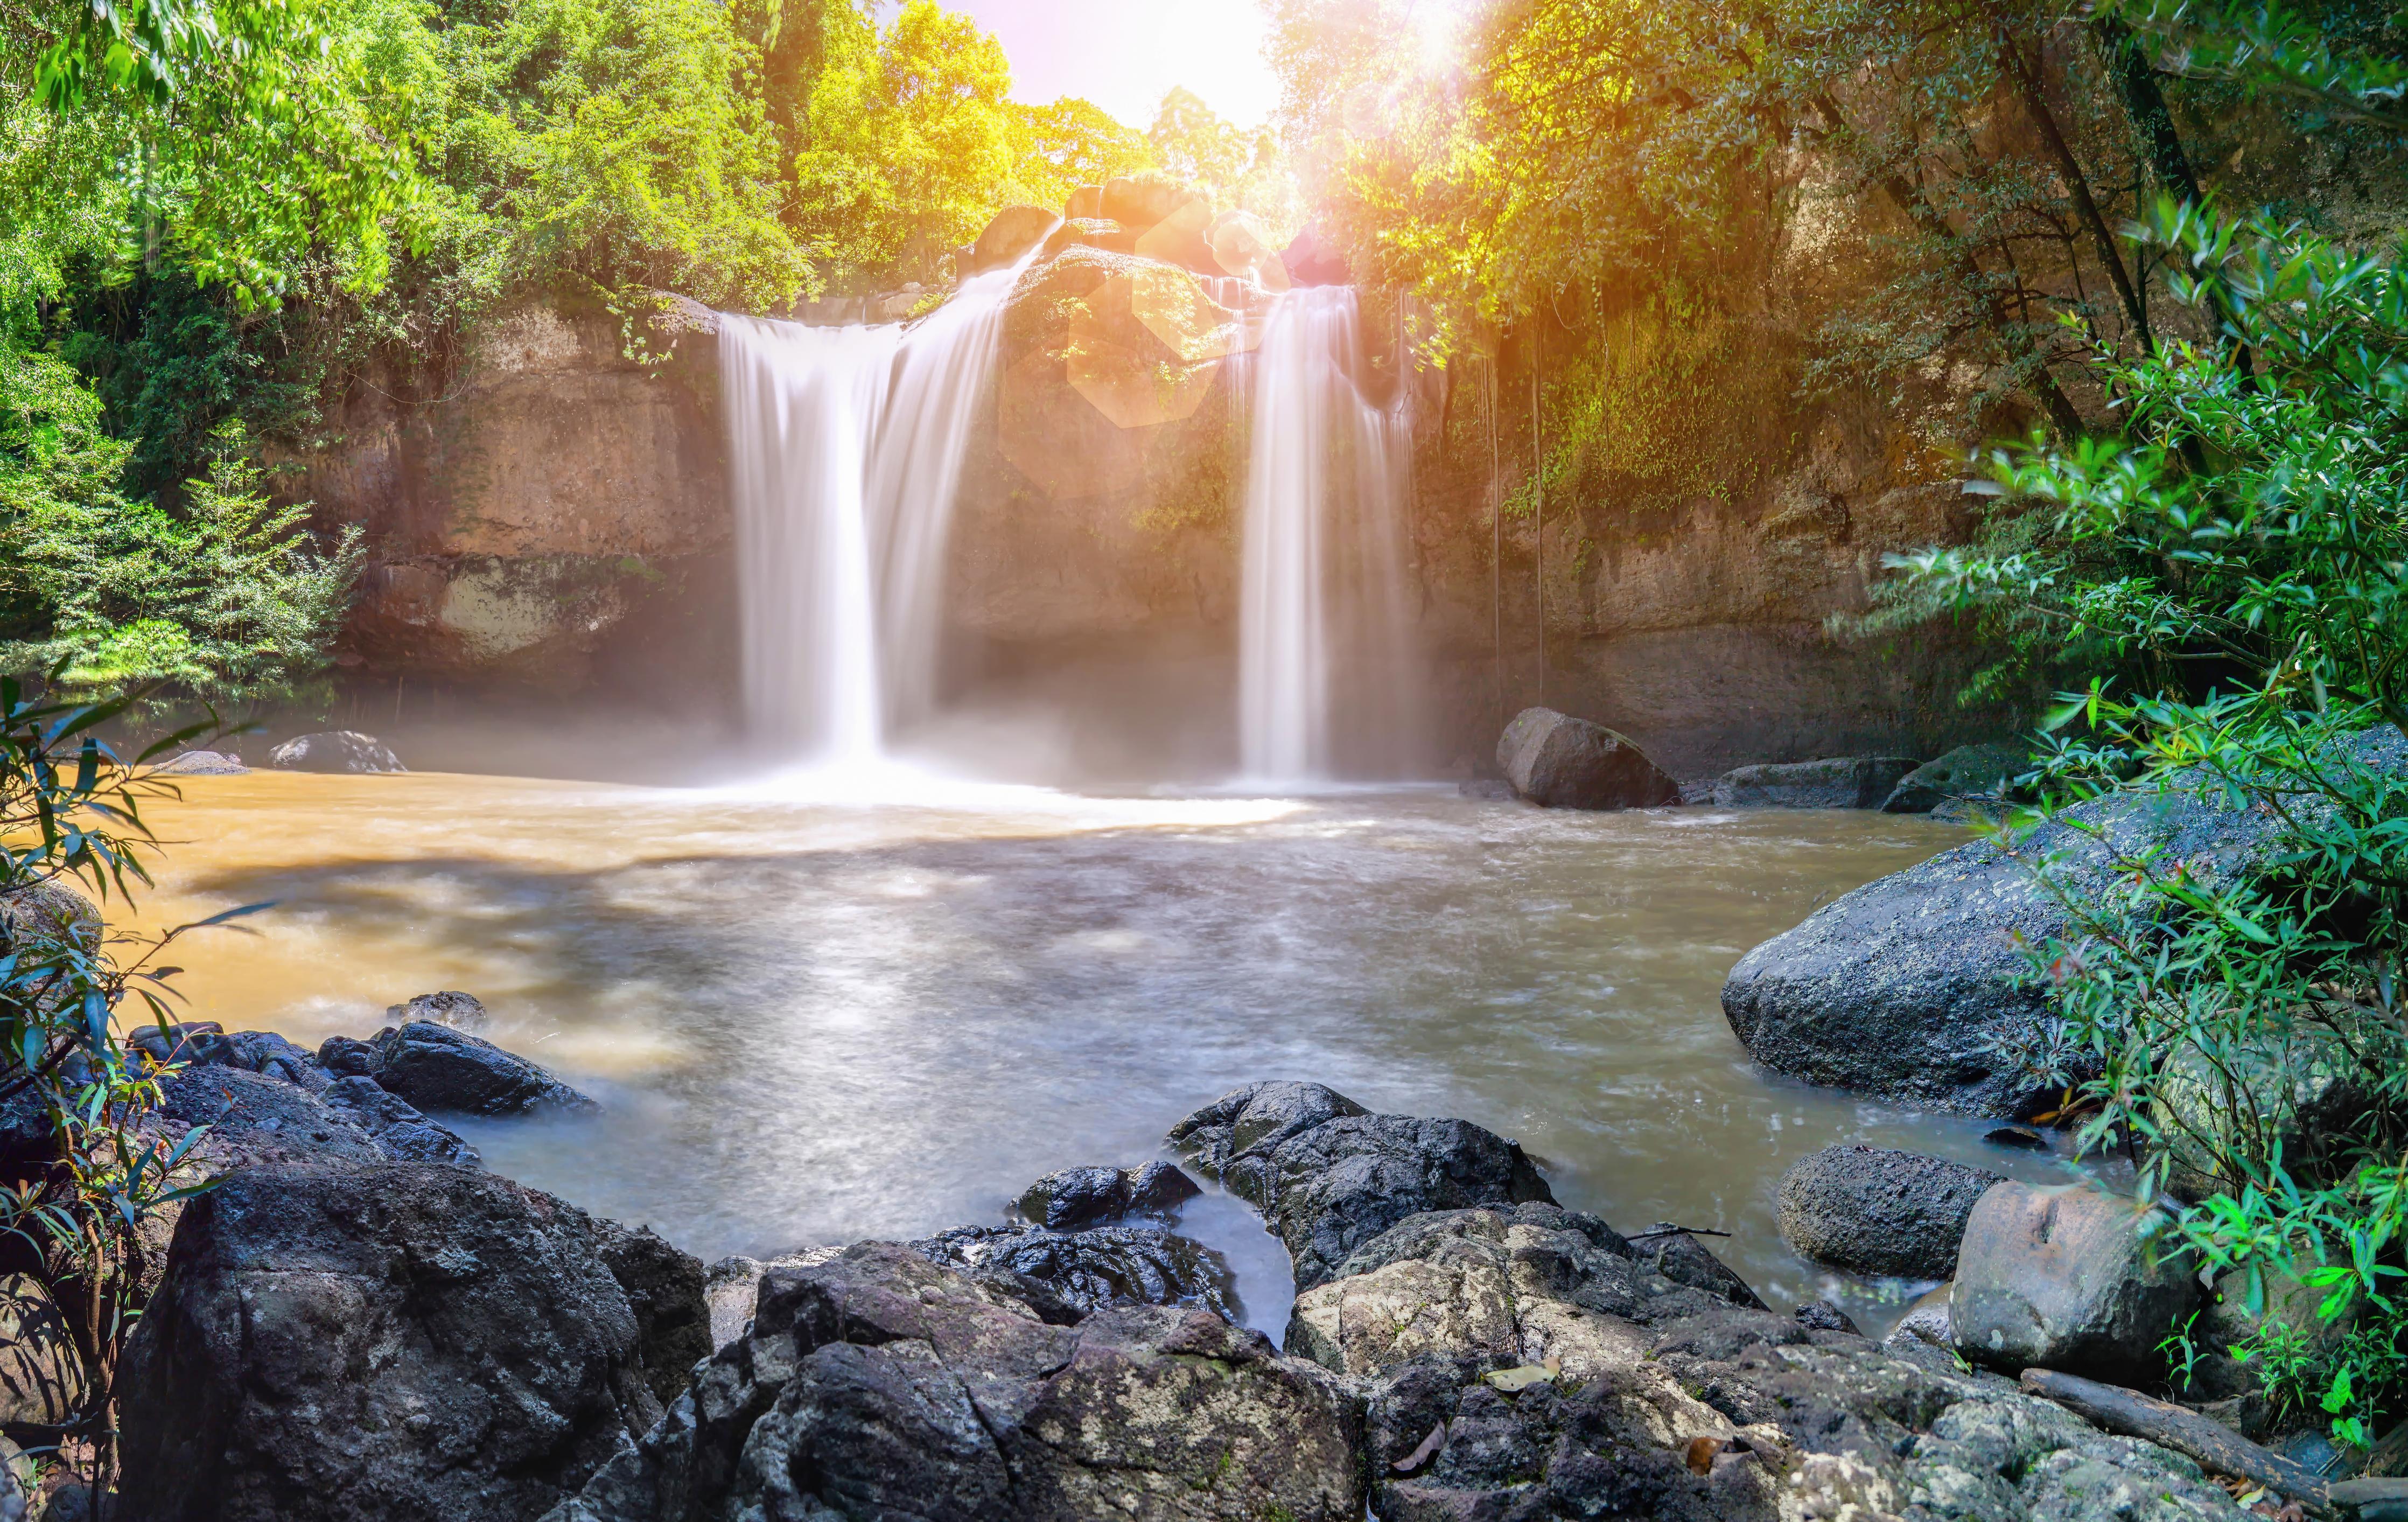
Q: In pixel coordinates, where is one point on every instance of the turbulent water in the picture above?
(1326, 676)
(846, 449)
(818, 1019)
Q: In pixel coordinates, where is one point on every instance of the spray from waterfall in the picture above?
(846, 448)
(1326, 683)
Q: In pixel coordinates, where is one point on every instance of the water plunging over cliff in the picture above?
(1325, 682)
(845, 451)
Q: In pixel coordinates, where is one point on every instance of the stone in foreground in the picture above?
(441, 1070)
(335, 750)
(341, 1343)
(2068, 1278)
(1084, 1197)
(1562, 762)
(1088, 1269)
(1847, 782)
(1875, 1209)
(1328, 1174)
(1918, 986)
(880, 1385)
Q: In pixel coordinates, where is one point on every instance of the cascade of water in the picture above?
(1325, 682)
(845, 451)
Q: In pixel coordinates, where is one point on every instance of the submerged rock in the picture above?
(1848, 781)
(438, 1068)
(1081, 1197)
(2069, 1278)
(1562, 762)
(879, 1384)
(1328, 1176)
(335, 750)
(1078, 1272)
(349, 1341)
(1874, 1209)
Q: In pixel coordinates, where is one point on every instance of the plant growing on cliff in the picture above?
(2235, 560)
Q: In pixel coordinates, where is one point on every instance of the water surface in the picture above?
(819, 1019)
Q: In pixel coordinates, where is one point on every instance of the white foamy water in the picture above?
(845, 449)
(1327, 680)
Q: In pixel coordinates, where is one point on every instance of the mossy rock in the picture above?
(1967, 772)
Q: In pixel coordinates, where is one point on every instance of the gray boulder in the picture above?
(1917, 987)
(1063, 1275)
(237, 1103)
(1328, 1176)
(1969, 771)
(335, 750)
(461, 1011)
(354, 1342)
(254, 1051)
(441, 1070)
(1677, 1254)
(664, 1289)
(1561, 762)
(406, 1135)
(1873, 1210)
(44, 1382)
(1847, 782)
(1084, 1196)
(880, 1385)
(2068, 1278)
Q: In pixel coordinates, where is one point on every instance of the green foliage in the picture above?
(2244, 544)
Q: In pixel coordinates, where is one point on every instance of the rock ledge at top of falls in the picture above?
(1562, 762)
(1916, 986)
(1327, 1175)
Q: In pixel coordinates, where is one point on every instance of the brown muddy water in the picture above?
(820, 1015)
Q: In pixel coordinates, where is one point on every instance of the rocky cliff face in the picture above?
(529, 511)
(559, 512)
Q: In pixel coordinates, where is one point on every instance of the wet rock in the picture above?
(879, 1384)
(461, 1011)
(1969, 771)
(664, 1288)
(1925, 1321)
(344, 1056)
(238, 1102)
(43, 1380)
(731, 1285)
(1009, 234)
(441, 1070)
(202, 764)
(1848, 781)
(172, 1044)
(1825, 1315)
(1077, 1271)
(1680, 1257)
(398, 1125)
(2068, 1278)
(1084, 1196)
(252, 1050)
(393, 1341)
(1917, 987)
(1873, 1210)
(335, 750)
(1561, 762)
(1328, 1176)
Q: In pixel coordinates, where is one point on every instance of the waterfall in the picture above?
(845, 451)
(1325, 679)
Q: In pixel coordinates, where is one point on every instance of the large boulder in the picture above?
(439, 1069)
(1848, 781)
(1084, 1196)
(335, 750)
(1561, 762)
(350, 1341)
(880, 1385)
(1328, 1176)
(1009, 234)
(1969, 771)
(1066, 1274)
(1875, 1209)
(235, 1101)
(1139, 202)
(2071, 1278)
(1918, 986)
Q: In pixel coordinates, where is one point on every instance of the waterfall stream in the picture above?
(845, 449)
(1326, 680)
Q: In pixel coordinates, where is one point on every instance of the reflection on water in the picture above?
(819, 1021)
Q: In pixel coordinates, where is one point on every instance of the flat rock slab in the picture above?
(1848, 781)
